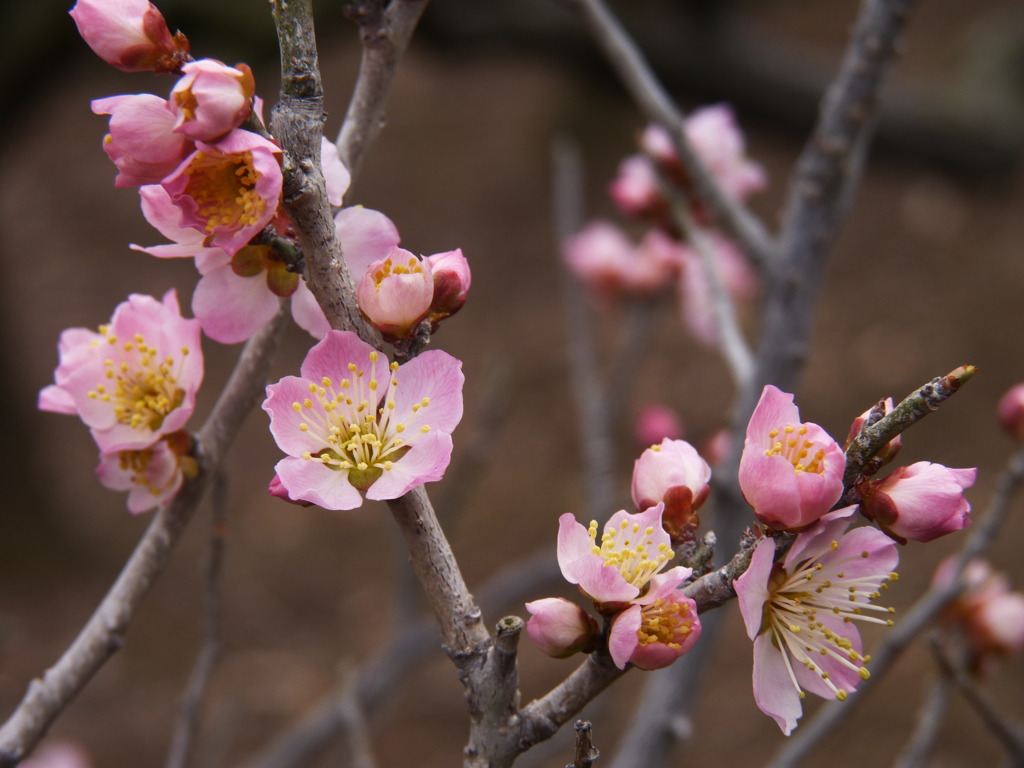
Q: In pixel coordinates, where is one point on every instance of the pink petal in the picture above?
(622, 640)
(438, 376)
(314, 481)
(366, 236)
(285, 420)
(307, 312)
(425, 462)
(752, 586)
(232, 308)
(774, 691)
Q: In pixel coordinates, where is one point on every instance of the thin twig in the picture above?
(1009, 735)
(187, 726)
(912, 624)
(653, 100)
(929, 724)
(586, 752)
(104, 633)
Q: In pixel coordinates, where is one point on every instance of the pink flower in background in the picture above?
(608, 263)
(130, 35)
(1010, 411)
(452, 278)
(228, 190)
(58, 754)
(627, 562)
(802, 613)
(672, 473)
(694, 295)
(920, 502)
(152, 476)
(395, 293)
(655, 422)
(141, 142)
(655, 630)
(790, 472)
(133, 381)
(351, 423)
(211, 99)
(560, 628)
(636, 190)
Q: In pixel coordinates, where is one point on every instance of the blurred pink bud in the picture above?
(920, 502)
(716, 447)
(141, 142)
(791, 473)
(276, 488)
(130, 35)
(451, 283)
(559, 627)
(674, 473)
(888, 451)
(211, 99)
(608, 263)
(1010, 411)
(719, 141)
(395, 293)
(636, 190)
(656, 422)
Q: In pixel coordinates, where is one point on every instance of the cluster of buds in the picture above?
(648, 620)
(604, 258)
(134, 383)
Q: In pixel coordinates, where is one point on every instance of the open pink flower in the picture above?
(133, 381)
(396, 292)
(672, 473)
(211, 99)
(626, 563)
(791, 473)
(130, 35)
(351, 423)
(560, 628)
(141, 142)
(802, 613)
(228, 190)
(655, 630)
(920, 502)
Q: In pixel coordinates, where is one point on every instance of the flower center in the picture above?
(136, 465)
(665, 622)
(142, 388)
(223, 187)
(631, 550)
(799, 599)
(793, 445)
(388, 268)
(356, 423)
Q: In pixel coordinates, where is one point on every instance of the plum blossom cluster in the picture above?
(648, 621)
(663, 263)
(134, 383)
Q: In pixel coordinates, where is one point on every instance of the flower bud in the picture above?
(920, 502)
(130, 35)
(396, 292)
(451, 283)
(211, 99)
(559, 627)
(1010, 411)
(672, 472)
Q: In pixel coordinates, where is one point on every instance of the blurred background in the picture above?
(927, 275)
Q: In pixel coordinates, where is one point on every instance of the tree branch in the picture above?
(104, 633)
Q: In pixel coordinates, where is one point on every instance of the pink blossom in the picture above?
(141, 142)
(672, 473)
(716, 447)
(152, 476)
(608, 263)
(211, 99)
(636, 189)
(920, 502)
(655, 629)
(130, 35)
(625, 564)
(1010, 411)
(694, 294)
(133, 381)
(228, 190)
(790, 472)
(559, 627)
(351, 423)
(451, 284)
(801, 613)
(655, 422)
(715, 137)
(395, 293)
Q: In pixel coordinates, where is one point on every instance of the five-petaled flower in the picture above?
(133, 381)
(801, 613)
(354, 424)
(790, 472)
